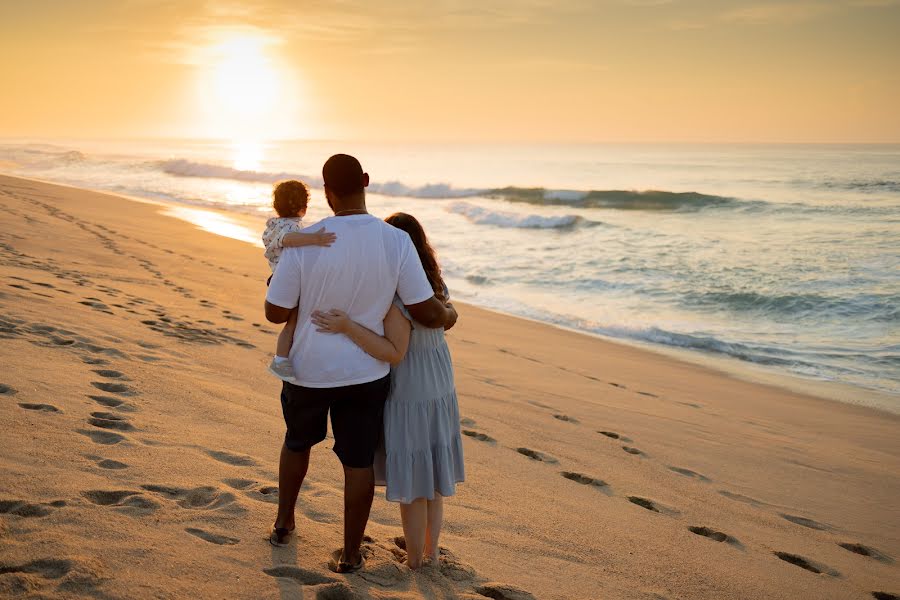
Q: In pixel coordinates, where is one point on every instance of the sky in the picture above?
(453, 70)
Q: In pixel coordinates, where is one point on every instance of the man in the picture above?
(360, 274)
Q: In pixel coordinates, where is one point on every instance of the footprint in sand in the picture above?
(615, 436)
(113, 388)
(94, 361)
(885, 596)
(804, 522)
(302, 576)
(238, 484)
(805, 563)
(203, 497)
(714, 535)
(567, 419)
(866, 551)
(106, 420)
(643, 503)
(478, 436)
(467, 422)
(502, 591)
(741, 498)
(7, 390)
(110, 402)
(617, 385)
(231, 459)
(634, 451)
(267, 493)
(97, 305)
(148, 357)
(212, 538)
(48, 568)
(535, 455)
(110, 374)
(21, 508)
(110, 464)
(39, 407)
(107, 438)
(691, 404)
(125, 500)
(586, 480)
(689, 473)
(648, 394)
(107, 497)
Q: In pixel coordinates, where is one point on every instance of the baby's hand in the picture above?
(332, 321)
(320, 237)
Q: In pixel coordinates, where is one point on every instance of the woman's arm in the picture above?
(390, 348)
(320, 237)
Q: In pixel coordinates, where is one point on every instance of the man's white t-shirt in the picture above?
(359, 274)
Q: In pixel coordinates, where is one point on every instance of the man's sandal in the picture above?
(280, 536)
(340, 566)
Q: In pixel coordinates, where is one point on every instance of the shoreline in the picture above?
(593, 469)
(243, 227)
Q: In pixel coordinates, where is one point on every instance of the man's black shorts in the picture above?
(357, 418)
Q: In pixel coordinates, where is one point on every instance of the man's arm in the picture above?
(277, 314)
(433, 313)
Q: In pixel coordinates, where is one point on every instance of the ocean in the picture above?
(782, 258)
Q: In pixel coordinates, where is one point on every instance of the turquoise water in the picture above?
(782, 256)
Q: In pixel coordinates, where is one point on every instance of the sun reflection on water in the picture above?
(247, 155)
(215, 223)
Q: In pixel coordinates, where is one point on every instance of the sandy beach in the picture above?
(141, 434)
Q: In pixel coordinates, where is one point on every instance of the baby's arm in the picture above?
(320, 237)
(390, 348)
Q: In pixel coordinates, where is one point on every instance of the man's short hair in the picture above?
(343, 175)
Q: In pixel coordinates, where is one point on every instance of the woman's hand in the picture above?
(332, 321)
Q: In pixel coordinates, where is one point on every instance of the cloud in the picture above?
(649, 3)
(770, 13)
(774, 13)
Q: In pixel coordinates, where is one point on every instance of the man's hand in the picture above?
(433, 313)
(452, 316)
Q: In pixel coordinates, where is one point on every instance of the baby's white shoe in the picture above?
(282, 368)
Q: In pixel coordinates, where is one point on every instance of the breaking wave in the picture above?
(483, 216)
(612, 199)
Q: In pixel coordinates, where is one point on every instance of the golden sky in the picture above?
(467, 70)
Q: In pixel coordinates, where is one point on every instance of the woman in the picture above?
(422, 460)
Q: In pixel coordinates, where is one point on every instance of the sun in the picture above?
(245, 78)
(248, 89)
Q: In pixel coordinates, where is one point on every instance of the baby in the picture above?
(290, 199)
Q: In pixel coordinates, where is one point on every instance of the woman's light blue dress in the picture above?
(422, 451)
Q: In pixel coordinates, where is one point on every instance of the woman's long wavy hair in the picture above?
(411, 225)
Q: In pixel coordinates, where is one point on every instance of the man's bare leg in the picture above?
(359, 490)
(292, 469)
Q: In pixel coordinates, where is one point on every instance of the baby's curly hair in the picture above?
(290, 198)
